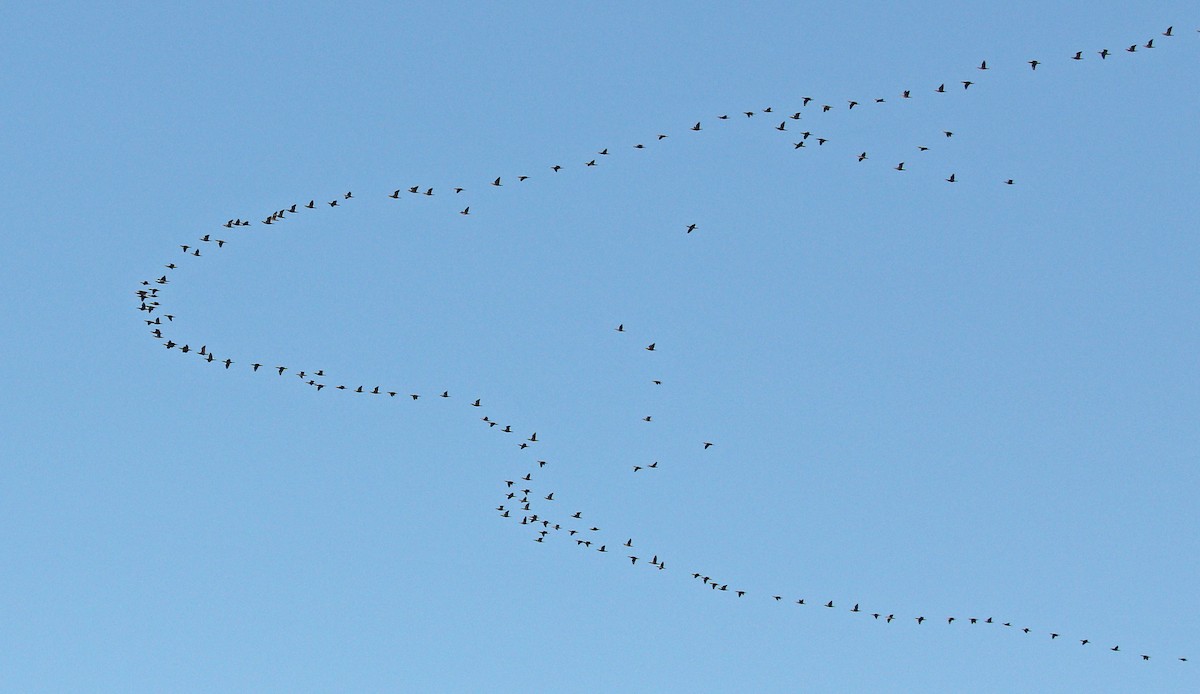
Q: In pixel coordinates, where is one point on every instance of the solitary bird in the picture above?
(696, 126)
(1033, 64)
(650, 348)
(691, 228)
(496, 182)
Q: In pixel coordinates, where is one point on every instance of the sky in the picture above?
(932, 399)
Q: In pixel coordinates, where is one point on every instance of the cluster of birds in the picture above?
(538, 508)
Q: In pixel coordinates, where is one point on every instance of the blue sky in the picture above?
(932, 399)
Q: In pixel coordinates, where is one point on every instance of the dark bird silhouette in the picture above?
(829, 604)
(920, 619)
(256, 366)
(1033, 64)
(900, 166)
(696, 126)
(691, 228)
(281, 369)
(941, 88)
(967, 83)
(1078, 55)
(1168, 31)
(466, 210)
(951, 179)
(1104, 54)
(650, 348)
(707, 445)
(782, 125)
(591, 163)
(496, 182)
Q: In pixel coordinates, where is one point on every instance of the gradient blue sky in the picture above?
(931, 399)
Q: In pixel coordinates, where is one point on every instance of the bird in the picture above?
(620, 328)
(862, 156)
(605, 150)
(920, 619)
(983, 65)
(591, 163)
(829, 604)
(1149, 44)
(900, 166)
(632, 559)
(496, 182)
(782, 125)
(951, 179)
(707, 445)
(1033, 64)
(941, 88)
(852, 105)
(646, 418)
(1132, 49)
(1104, 54)
(1168, 31)
(948, 133)
(466, 210)
(395, 194)
(1008, 182)
(1078, 55)
(476, 403)
(967, 83)
(650, 348)
(696, 126)
(691, 228)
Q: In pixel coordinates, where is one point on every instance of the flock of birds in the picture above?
(523, 501)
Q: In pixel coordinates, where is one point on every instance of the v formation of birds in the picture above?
(549, 518)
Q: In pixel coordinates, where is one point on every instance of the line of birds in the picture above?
(521, 498)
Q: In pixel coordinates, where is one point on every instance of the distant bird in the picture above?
(1168, 31)
(475, 404)
(920, 619)
(1132, 49)
(650, 348)
(900, 166)
(967, 83)
(496, 182)
(852, 105)
(620, 328)
(983, 65)
(947, 133)
(395, 194)
(829, 604)
(1033, 64)
(862, 156)
(691, 228)
(632, 559)
(782, 125)
(707, 445)
(1078, 55)
(696, 126)
(466, 210)
(951, 179)
(646, 418)
(1149, 44)
(941, 88)
(1104, 54)
(281, 369)
(603, 151)
(591, 163)
(1008, 182)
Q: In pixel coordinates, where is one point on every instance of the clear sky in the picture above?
(934, 399)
